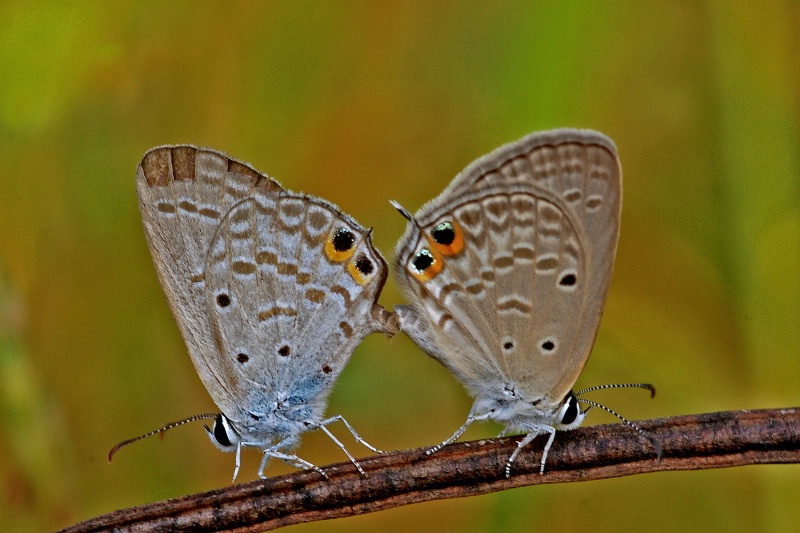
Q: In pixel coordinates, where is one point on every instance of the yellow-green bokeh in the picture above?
(361, 102)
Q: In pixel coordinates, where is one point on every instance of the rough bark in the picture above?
(693, 442)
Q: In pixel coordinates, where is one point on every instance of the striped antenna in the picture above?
(161, 430)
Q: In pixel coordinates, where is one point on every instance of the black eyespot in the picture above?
(422, 261)
(223, 300)
(284, 351)
(343, 239)
(572, 410)
(548, 346)
(327, 369)
(444, 233)
(568, 280)
(364, 266)
(508, 345)
(219, 432)
(242, 358)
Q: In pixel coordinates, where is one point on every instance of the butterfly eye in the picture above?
(447, 238)
(569, 410)
(340, 245)
(222, 434)
(362, 269)
(219, 432)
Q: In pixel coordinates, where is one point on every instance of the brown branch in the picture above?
(693, 442)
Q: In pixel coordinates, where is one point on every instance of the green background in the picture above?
(362, 102)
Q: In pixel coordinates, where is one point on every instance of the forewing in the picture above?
(292, 286)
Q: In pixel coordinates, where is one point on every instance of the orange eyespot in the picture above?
(426, 264)
(362, 269)
(340, 245)
(447, 238)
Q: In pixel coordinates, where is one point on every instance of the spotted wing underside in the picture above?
(520, 299)
(292, 283)
(194, 200)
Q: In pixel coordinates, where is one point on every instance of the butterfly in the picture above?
(271, 290)
(507, 272)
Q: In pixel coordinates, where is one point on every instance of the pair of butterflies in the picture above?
(507, 272)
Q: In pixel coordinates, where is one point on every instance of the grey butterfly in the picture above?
(507, 272)
(272, 291)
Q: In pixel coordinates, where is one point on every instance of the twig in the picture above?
(693, 442)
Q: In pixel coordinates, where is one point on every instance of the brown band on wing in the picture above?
(514, 304)
(314, 295)
(276, 311)
(341, 291)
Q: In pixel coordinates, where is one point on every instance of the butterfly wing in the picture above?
(516, 258)
(292, 285)
(190, 197)
(184, 193)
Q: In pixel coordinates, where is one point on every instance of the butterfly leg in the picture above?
(340, 445)
(352, 431)
(238, 461)
(537, 430)
(263, 465)
(460, 431)
(290, 459)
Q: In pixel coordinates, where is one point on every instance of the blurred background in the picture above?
(361, 102)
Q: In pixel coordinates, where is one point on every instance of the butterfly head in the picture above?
(512, 407)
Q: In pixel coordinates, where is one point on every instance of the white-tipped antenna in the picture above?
(161, 430)
(640, 431)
